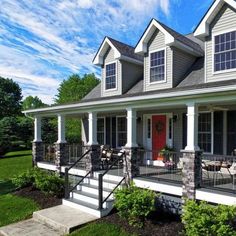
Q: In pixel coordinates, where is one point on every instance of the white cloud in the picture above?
(45, 41)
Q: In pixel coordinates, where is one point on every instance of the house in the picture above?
(169, 90)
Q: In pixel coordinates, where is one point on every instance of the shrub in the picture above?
(24, 179)
(134, 204)
(49, 183)
(203, 219)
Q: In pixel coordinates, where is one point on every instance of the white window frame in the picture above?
(212, 130)
(117, 117)
(213, 52)
(116, 66)
(104, 131)
(165, 67)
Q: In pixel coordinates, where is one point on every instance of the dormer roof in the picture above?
(202, 30)
(122, 51)
(172, 38)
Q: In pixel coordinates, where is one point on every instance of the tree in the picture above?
(10, 98)
(75, 88)
(31, 102)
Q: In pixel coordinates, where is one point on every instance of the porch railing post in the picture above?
(67, 194)
(100, 191)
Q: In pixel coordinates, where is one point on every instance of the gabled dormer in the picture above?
(121, 67)
(218, 30)
(167, 56)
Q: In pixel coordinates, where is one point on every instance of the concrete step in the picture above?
(89, 197)
(63, 218)
(86, 207)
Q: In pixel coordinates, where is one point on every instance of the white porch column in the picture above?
(131, 128)
(61, 129)
(37, 129)
(192, 127)
(92, 119)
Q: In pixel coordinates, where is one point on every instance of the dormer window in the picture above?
(225, 51)
(157, 66)
(110, 82)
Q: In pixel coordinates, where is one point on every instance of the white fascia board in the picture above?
(203, 28)
(98, 60)
(117, 101)
(142, 45)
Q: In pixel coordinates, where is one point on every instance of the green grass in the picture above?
(14, 208)
(98, 229)
(14, 164)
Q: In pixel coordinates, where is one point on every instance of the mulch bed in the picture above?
(43, 200)
(158, 224)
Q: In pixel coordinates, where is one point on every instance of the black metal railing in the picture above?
(75, 151)
(219, 172)
(165, 166)
(49, 153)
(68, 189)
(116, 162)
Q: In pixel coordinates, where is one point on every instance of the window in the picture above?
(100, 130)
(204, 132)
(149, 128)
(121, 131)
(111, 76)
(225, 51)
(157, 66)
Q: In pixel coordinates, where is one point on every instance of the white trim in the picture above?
(165, 66)
(142, 45)
(197, 92)
(104, 81)
(203, 29)
(98, 60)
(213, 53)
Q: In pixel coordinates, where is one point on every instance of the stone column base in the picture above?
(62, 155)
(192, 173)
(131, 163)
(37, 152)
(93, 158)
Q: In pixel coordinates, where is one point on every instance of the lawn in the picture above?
(98, 229)
(14, 208)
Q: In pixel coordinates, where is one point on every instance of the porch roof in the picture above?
(199, 93)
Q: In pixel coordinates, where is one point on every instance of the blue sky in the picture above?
(43, 42)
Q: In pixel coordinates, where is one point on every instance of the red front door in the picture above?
(158, 135)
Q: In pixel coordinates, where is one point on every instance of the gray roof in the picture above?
(94, 93)
(125, 49)
(183, 39)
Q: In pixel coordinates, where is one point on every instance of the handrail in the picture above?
(100, 184)
(78, 160)
(113, 163)
(67, 189)
(80, 181)
(113, 190)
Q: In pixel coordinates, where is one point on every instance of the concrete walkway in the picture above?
(54, 221)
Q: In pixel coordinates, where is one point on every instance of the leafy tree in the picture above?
(31, 102)
(10, 98)
(73, 90)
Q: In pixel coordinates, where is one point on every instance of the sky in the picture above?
(42, 42)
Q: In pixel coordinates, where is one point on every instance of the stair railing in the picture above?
(67, 185)
(101, 201)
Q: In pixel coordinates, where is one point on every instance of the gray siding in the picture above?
(224, 21)
(131, 73)
(181, 63)
(108, 58)
(158, 42)
(178, 131)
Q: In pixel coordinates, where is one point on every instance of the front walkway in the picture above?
(54, 221)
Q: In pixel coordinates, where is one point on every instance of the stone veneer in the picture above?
(62, 155)
(131, 163)
(37, 152)
(192, 173)
(93, 158)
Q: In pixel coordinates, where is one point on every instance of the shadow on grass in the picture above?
(6, 187)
